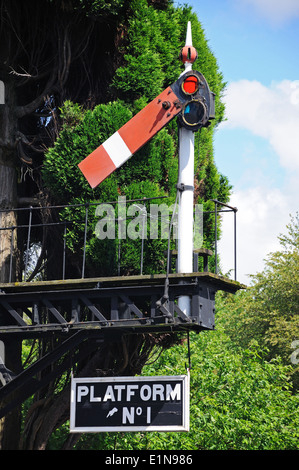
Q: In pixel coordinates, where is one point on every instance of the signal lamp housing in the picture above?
(196, 100)
(194, 114)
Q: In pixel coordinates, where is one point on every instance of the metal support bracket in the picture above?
(184, 187)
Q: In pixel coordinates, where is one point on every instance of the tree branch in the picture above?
(25, 74)
(22, 111)
(22, 138)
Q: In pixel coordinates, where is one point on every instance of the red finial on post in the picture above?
(188, 54)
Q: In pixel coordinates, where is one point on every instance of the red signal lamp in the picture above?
(190, 85)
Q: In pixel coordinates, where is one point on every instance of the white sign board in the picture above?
(130, 404)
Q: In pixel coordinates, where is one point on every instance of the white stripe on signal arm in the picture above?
(117, 149)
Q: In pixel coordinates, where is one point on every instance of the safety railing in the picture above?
(34, 220)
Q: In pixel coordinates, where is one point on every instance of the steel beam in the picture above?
(136, 301)
(28, 382)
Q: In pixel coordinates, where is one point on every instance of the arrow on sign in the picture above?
(112, 412)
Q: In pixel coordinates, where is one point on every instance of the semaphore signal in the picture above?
(189, 98)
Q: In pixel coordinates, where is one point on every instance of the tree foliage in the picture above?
(238, 401)
(152, 39)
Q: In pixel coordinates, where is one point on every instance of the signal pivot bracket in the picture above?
(184, 187)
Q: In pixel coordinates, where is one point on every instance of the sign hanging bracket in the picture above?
(184, 187)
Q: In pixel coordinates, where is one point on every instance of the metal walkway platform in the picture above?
(132, 303)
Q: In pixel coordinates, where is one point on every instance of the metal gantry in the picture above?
(132, 303)
(85, 312)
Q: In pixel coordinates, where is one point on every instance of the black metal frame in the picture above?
(133, 302)
(64, 223)
(229, 209)
(20, 387)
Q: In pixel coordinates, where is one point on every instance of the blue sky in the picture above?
(257, 148)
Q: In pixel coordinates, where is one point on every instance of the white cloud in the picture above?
(269, 112)
(263, 214)
(263, 209)
(276, 11)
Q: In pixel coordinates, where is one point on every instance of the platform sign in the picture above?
(130, 404)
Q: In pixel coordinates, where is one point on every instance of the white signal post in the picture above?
(186, 183)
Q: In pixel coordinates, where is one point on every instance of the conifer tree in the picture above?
(149, 64)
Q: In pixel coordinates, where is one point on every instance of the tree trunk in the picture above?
(10, 424)
(8, 236)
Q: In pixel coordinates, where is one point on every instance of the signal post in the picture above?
(196, 113)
